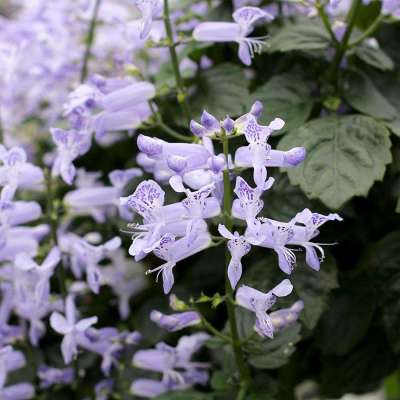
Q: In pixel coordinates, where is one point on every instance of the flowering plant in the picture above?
(180, 199)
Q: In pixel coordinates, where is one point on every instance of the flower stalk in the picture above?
(89, 41)
(52, 217)
(244, 371)
(344, 45)
(175, 64)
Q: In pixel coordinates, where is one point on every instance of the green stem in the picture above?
(172, 133)
(211, 328)
(368, 32)
(89, 41)
(343, 46)
(244, 371)
(52, 218)
(326, 22)
(1, 132)
(175, 64)
(169, 131)
(242, 393)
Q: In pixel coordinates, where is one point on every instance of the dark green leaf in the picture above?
(374, 56)
(362, 95)
(271, 354)
(345, 156)
(394, 126)
(286, 96)
(222, 90)
(360, 371)
(314, 288)
(383, 266)
(285, 200)
(302, 35)
(347, 318)
(186, 395)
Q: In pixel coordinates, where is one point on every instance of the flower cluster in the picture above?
(179, 230)
(60, 248)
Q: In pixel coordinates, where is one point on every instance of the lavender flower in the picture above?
(238, 247)
(102, 105)
(11, 360)
(16, 172)
(259, 303)
(178, 219)
(108, 343)
(54, 376)
(85, 257)
(150, 9)
(306, 228)
(70, 145)
(172, 251)
(31, 290)
(178, 372)
(125, 279)
(70, 328)
(175, 322)
(284, 317)
(245, 18)
(258, 153)
(101, 201)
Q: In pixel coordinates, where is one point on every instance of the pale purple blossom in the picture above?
(70, 145)
(50, 376)
(178, 372)
(102, 201)
(245, 18)
(258, 153)
(238, 247)
(11, 360)
(149, 9)
(259, 303)
(175, 322)
(16, 172)
(174, 250)
(70, 328)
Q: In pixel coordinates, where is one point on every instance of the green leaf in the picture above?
(382, 263)
(271, 354)
(394, 126)
(220, 380)
(360, 371)
(314, 289)
(301, 35)
(345, 156)
(349, 315)
(374, 56)
(222, 90)
(186, 395)
(362, 95)
(285, 200)
(286, 96)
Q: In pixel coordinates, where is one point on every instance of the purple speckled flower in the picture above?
(178, 372)
(172, 251)
(258, 153)
(245, 18)
(238, 247)
(259, 303)
(175, 322)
